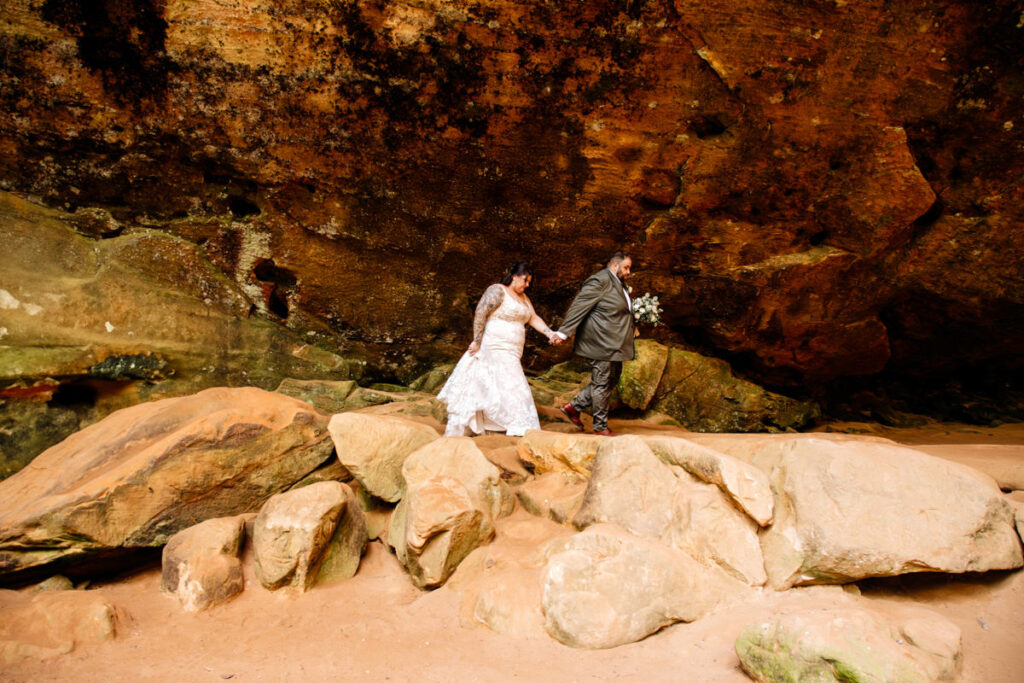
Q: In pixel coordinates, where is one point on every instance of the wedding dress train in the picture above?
(488, 390)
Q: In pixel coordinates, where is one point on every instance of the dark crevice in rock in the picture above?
(277, 303)
(94, 565)
(277, 281)
(928, 218)
(242, 207)
(74, 395)
(268, 271)
(819, 238)
(707, 126)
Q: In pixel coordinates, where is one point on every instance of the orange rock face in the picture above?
(816, 190)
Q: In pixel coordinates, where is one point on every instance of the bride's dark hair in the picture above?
(521, 268)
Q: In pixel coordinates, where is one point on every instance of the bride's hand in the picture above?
(474, 346)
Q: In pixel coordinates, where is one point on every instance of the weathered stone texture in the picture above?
(144, 473)
(820, 190)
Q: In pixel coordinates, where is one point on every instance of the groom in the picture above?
(601, 315)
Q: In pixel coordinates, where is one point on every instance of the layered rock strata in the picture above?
(815, 191)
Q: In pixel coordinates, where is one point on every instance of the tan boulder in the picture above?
(594, 595)
(632, 488)
(435, 526)
(1003, 462)
(460, 459)
(49, 624)
(373, 448)
(554, 495)
(1018, 516)
(454, 495)
(851, 644)
(847, 510)
(747, 485)
(500, 582)
(307, 535)
(201, 566)
(546, 451)
(145, 473)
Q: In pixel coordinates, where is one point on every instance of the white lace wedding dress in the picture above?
(488, 390)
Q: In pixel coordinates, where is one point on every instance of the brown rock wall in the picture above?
(798, 180)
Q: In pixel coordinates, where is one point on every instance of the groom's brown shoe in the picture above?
(607, 432)
(573, 416)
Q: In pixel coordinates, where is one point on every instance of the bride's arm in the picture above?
(488, 303)
(537, 323)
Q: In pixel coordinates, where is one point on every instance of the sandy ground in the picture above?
(378, 627)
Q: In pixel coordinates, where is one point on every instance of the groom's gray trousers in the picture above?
(594, 399)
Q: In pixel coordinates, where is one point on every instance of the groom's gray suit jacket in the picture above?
(601, 319)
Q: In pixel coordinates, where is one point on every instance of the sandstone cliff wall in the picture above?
(818, 190)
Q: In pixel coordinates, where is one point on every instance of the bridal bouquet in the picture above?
(646, 309)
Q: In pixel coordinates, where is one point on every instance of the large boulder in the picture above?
(640, 377)
(454, 495)
(374, 447)
(632, 488)
(435, 526)
(851, 644)
(459, 458)
(500, 582)
(703, 395)
(747, 485)
(594, 596)
(145, 473)
(847, 510)
(307, 535)
(545, 451)
(200, 564)
(51, 624)
(1003, 462)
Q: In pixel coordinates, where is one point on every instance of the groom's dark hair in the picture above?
(521, 268)
(619, 257)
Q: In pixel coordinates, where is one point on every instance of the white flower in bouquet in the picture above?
(647, 309)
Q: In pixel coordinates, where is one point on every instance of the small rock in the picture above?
(200, 564)
(54, 583)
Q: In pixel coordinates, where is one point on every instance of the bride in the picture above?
(488, 391)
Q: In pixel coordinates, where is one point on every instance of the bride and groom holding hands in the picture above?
(487, 390)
